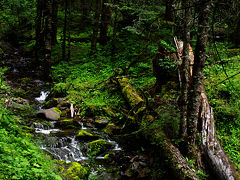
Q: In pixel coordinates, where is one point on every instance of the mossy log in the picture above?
(130, 94)
(174, 158)
(211, 147)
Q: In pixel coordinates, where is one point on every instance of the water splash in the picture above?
(43, 96)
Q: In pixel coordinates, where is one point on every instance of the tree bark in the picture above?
(64, 32)
(54, 21)
(169, 10)
(48, 45)
(39, 38)
(69, 32)
(211, 147)
(184, 68)
(96, 26)
(105, 20)
(197, 78)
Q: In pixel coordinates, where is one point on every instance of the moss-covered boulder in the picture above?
(72, 170)
(112, 129)
(99, 146)
(68, 124)
(52, 114)
(86, 135)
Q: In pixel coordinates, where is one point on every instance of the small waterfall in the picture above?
(43, 95)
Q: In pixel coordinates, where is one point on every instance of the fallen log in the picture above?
(178, 164)
(211, 147)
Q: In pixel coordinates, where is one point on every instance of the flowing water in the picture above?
(62, 144)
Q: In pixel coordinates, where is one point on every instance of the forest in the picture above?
(119, 89)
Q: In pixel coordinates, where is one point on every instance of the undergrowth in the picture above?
(223, 86)
(19, 157)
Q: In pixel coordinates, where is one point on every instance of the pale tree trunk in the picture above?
(48, 30)
(184, 68)
(197, 78)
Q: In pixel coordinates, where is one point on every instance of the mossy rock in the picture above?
(1, 52)
(76, 172)
(67, 124)
(112, 129)
(99, 146)
(85, 135)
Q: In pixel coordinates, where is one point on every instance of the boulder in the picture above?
(99, 146)
(86, 135)
(52, 114)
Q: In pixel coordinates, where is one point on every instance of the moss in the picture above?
(98, 146)
(57, 110)
(1, 51)
(111, 128)
(76, 171)
(106, 156)
(83, 133)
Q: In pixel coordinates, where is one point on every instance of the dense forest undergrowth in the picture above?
(127, 77)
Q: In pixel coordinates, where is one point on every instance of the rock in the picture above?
(52, 114)
(1, 51)
(99, 146)
(85, 135)
(67, 124)
(101, 123)
(76, 171)
(112, 129)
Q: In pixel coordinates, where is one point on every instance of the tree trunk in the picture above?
(105, 20)
(96, 26)
(69, 32)
(184, 68)
(169, 10)
(64, 32)
(54, 21)
(211, 147)
(48, 45)
(39, 39)
(197, 78)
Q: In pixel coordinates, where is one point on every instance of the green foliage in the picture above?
(19, 157)
(223, 93)
(17, 17)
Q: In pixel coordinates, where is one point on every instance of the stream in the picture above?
(61, 143)
(70, 139)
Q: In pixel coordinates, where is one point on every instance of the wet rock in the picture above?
(67, 124)
(112, 129)
(52, 114)
(101, 123)
(99, 146)
(86, 135)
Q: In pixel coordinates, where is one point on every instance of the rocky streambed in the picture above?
(77, 143)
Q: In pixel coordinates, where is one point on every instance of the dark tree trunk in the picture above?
(54, 21)
(184, 72)
(69, 32)
(48, 45)
(39, 37)
(96, 26)
(197, 78)
(64, 32)
(105, 20)
(169, 10)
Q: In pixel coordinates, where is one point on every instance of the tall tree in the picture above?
(48, 40)
(197, 77)
(184, 72)
(38, 29)
(105, 20)
(96, 26)
(54, 21)
(64, 31)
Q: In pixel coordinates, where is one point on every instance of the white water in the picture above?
(43, 96)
